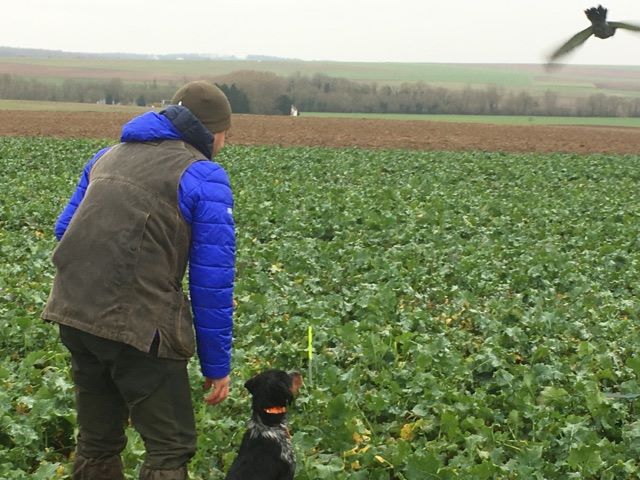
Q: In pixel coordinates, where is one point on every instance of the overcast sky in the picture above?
(482, 31)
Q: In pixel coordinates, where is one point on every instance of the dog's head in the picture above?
(272, 393)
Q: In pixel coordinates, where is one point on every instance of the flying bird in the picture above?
(599, 28)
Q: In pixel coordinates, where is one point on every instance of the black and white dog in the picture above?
(266, 452)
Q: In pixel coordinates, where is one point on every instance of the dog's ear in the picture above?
(296, 382)
(251, 385)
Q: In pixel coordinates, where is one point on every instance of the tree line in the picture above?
(270, 94)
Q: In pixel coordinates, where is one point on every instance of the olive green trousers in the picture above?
(117, 384)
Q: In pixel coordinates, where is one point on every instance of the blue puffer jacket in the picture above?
(206, 203)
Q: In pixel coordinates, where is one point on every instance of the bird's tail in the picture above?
(596, 15)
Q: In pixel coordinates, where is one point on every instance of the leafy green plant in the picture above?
(474, 314)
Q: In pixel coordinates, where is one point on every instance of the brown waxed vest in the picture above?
(122, 258)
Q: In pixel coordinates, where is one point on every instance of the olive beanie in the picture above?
(207, 102)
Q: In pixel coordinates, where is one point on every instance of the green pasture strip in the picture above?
(360, 71)
(492, 119)
(173, 69)
(509, 76)
(432, 73)
(581, 90)
(475, 315)
(66, 106)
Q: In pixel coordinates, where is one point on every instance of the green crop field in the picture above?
(475, 315)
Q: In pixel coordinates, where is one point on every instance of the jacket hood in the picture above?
(149, 127)
(174, 123)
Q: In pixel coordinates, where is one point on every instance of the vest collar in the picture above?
(192, 130)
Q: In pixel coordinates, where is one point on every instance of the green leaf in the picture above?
(585, 459)
(422, 465)
(449, 424)
(551, 394)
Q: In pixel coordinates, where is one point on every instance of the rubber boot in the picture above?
(147, 473)
(109, 468)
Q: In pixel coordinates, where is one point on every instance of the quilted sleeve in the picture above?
(206, 202)
(67, 213)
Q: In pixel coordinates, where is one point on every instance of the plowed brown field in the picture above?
(341, 132)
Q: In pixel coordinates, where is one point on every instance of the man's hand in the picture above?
(219, 389)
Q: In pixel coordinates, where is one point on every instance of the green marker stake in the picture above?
(310, 352)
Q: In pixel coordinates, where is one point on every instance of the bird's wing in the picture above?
(626, 26)
(572, 43)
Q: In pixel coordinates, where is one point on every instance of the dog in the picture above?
(266, 452)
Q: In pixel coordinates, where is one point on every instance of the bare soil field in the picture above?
(342, 132)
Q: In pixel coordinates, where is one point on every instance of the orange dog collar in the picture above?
(276, 410)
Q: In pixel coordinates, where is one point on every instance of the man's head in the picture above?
(207, 102)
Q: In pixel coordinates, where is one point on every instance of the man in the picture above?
(142, 211)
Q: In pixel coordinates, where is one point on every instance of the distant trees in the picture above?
(261, 89)
(521, 103)
(114, 91)
(237, 98)
(12, 87)
(283, 104)
(269, 94)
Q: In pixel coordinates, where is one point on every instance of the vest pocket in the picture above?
(185, 344)
(130, 241)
